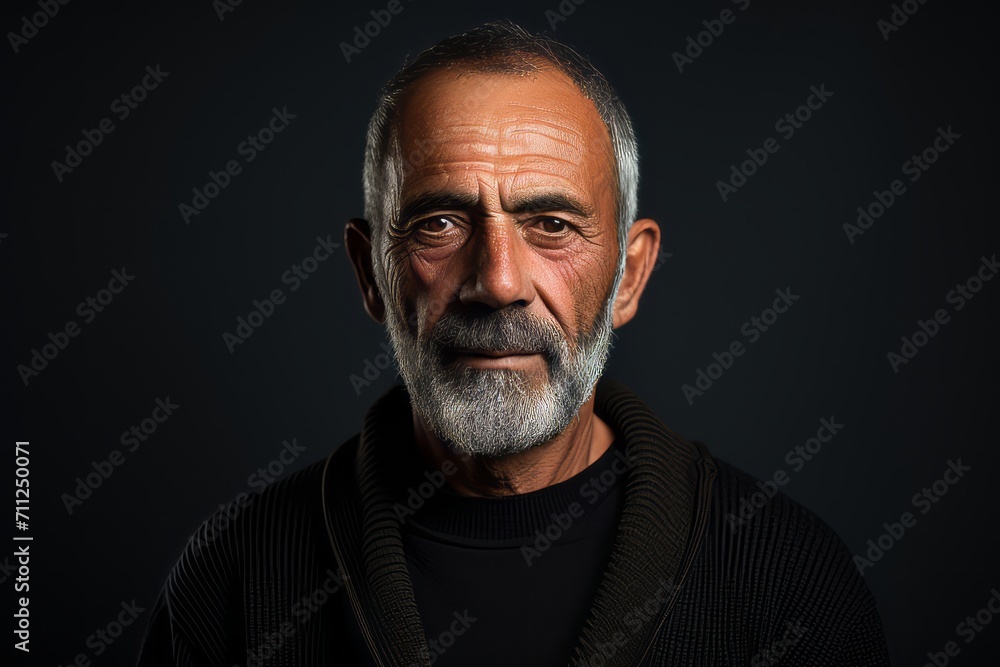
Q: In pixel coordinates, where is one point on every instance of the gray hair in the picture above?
(501, 48)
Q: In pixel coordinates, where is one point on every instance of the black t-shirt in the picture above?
(510, 581)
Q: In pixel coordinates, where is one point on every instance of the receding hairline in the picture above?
(514, 63)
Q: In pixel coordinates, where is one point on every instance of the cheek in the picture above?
(423, 288)
(575, 287)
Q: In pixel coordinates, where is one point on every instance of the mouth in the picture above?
(509, 358)
(466, 352)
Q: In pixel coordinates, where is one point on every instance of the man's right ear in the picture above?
(358, 241)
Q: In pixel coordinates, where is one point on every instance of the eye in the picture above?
(440, 230)
(436, 225)
(551, 225)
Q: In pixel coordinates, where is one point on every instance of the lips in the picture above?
(494, 353)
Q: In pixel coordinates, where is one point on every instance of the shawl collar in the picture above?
(668, 489)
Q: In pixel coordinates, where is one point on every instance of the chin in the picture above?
(496, 421)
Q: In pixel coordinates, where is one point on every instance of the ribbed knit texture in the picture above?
(685, 585)
(783, 566)
(509, 520)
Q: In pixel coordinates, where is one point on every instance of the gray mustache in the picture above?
(506, 329)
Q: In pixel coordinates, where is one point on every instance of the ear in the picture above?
(358, 241)
(641, 252)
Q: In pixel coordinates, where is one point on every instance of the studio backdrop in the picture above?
(181, 323)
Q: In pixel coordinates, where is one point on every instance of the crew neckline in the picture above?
(517, 519)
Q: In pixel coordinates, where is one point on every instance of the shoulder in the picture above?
(744, 502)
(261, 551)
(292, 505)
(784, 535)
(782, 561)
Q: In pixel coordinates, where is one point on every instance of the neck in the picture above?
(569, 453)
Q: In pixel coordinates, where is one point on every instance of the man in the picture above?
(507, 506)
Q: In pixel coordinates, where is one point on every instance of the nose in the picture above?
(500, 274)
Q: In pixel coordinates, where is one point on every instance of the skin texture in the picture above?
(498, 244)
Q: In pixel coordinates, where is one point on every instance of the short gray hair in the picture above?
(502, 48)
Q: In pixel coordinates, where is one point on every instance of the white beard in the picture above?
(499, 411)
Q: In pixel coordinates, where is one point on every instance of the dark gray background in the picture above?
(826, 357)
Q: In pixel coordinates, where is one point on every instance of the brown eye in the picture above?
(437, 225)
(553, 225)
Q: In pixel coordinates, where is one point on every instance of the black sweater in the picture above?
(313, 570)
(525, 565)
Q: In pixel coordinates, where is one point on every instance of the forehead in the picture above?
(462, 128)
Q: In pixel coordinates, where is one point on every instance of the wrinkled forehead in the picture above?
(523, 128)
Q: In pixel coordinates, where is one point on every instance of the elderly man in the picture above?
(507, 506)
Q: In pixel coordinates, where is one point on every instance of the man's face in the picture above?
(500, 264)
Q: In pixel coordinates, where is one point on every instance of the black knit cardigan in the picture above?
(311, 571)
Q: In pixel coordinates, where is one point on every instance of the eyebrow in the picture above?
(547, 202)
(536, 203)
(436, 201)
